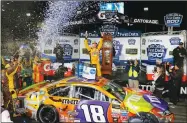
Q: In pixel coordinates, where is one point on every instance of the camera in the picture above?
(155, 70)
(131, 62)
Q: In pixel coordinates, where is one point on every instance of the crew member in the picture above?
(58, 50)
(94, 52)
(179, 53)
(11, 71)
(133, 71)
(25, 52)
(5, 88)
(26, 73)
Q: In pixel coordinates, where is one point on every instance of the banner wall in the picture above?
(159, 47)
(69, 43)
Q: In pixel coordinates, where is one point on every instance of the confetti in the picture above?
(59, 13)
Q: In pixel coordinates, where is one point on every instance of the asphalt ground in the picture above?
(180, 110)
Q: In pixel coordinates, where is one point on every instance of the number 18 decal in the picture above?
(97, 113)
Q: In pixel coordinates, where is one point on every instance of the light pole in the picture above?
(28, 15)
(146, 9)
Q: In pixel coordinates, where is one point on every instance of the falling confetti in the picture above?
(59, 13)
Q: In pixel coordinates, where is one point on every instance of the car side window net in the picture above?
(87, 93)
(60, 91)
(84, 93)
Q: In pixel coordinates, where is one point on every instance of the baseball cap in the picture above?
(7, 66)
(180, 43)
(178, 64)
(94, 42)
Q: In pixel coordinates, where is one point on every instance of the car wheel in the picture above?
(143, 117)
(48, 114)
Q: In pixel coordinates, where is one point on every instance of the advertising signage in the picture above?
(173, 20)
(119, 7)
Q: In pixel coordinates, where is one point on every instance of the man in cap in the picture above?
(179, 53)
(94, 51)
(58, 50)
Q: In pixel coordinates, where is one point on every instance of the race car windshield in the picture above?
(115, 90)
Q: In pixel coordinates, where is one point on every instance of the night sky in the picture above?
(15, 21)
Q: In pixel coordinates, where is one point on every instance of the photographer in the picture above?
(133, 71)
(176, 74)
(159, 80)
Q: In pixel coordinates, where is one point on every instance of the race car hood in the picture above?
(156, 102)
(143, 103)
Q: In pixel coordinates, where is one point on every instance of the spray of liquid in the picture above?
(58, 14)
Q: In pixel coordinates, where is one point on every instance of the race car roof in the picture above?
(100, 82)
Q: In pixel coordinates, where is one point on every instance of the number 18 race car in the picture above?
(79, 100)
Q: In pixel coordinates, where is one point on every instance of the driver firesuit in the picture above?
(94, 54)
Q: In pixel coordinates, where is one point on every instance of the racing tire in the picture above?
(143, 117)
(47, 114)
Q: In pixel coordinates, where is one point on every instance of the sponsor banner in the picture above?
(175, 40)
(183, 90)
(131, 41)
(106, 15)
(69, 42)
(173, 20)
(89, 72)
(156, 51)
(146, 21)
(112, 29)
(151, 88)
(118, 33)
(119, 7)
(118, 48)
(159, 47)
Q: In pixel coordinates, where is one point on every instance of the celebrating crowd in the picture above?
(19, 72)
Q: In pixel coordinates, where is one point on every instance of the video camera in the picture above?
(131, 62)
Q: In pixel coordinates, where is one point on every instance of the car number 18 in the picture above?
(94, 112)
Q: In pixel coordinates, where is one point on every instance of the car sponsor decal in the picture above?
(134, 98)
(124, 115)
(156, 102)
(55, 100)
(67, 101)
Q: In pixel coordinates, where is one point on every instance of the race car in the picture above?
(80, 100)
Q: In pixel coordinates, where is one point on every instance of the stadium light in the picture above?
(145, 9)
(28, 14)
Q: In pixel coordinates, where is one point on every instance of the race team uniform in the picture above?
(94, 55)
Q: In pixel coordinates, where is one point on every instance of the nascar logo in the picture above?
(131, 41)
(92, 71)
(175, 41)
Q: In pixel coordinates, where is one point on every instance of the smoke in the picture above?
(58, 14)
